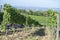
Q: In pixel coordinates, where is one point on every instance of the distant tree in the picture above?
(30, 12)
(38, 13)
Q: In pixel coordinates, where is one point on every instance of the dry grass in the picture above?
(26, 34)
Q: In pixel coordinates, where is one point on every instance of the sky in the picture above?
(33, 3)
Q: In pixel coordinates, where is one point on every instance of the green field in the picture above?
(41, 19)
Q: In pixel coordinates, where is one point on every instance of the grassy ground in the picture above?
(34, 33)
